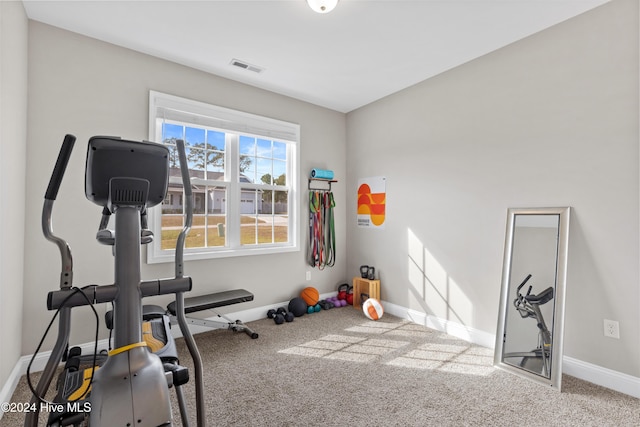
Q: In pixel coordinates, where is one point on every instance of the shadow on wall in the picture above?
(432, 287)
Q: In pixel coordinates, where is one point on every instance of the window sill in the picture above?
(168, 256)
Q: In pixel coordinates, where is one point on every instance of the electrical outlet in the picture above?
(611, 328)
(308, 275)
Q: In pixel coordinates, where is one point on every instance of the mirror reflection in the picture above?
(533, 278)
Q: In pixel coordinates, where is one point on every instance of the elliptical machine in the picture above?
(537, 360)
(130, 385)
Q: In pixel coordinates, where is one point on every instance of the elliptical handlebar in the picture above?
(180, 305)
(60, 167)
(66, 279)
(526, 279)
(186, 183)
(521, 303)
(66, 274)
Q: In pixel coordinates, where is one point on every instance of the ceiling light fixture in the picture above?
(322, 6)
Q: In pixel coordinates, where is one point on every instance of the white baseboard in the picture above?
(604, 377)
(595, 374)
(608, 378)
(10, 386)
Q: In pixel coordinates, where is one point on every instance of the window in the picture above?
(244, 174)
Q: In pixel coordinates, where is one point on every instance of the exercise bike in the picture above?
(539, 359)
(130, 384)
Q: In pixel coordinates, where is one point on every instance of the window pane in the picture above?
(194, 137)
(279, 150)
(195, 238)
(281, 216)
(216, 232)
(215, 154)
(216, 218)
(245, 169)
(215, 165)
(279, 172)
(172, 204)
(199, 200)
(250, 203)
(216, 140)
(263, 171)
(247, 145)
(248, 230)
(172, 132)
(216, 200)
(171, 226)
(264, 148)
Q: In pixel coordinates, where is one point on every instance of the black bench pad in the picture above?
(207, 302)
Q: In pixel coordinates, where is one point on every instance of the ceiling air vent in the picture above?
(245, 65)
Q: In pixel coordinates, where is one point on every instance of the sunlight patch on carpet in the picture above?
(352, 357)
(348, 348)
(373, 327)
(327, 345)
(452, 358)
(306, 351)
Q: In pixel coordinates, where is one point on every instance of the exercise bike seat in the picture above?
(542, 298)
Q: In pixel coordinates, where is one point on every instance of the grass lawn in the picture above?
(196, 236)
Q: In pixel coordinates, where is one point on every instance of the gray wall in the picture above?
(13, 139)
(85, 87)
(551, 120)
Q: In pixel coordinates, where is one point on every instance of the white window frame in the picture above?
(169, 107)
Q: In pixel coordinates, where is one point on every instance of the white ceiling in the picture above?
(358, 53)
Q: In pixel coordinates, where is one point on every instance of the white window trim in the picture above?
(174, 107)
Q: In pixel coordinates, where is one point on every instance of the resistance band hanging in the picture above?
(321, 251)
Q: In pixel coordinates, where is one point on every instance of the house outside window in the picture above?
(244, 173)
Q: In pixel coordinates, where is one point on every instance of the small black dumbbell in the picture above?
(277, 317)
(288, 316)
(326, 304)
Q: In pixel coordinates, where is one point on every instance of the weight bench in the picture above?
(211, 302)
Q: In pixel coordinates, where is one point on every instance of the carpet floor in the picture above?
(337, 368)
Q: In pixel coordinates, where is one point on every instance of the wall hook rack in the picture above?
(314, 181)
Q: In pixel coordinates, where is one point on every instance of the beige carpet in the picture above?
(336, 368)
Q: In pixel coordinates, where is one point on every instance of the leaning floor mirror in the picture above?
(531, 318)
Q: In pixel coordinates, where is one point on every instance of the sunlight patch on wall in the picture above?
(460, 306)
(416, 264)
(433, 286)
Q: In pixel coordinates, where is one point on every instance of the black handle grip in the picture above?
(526, 279)
(184, 169)
(60, 167)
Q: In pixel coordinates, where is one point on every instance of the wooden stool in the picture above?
(364, 286)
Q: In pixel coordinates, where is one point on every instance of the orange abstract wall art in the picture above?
(371, 202)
